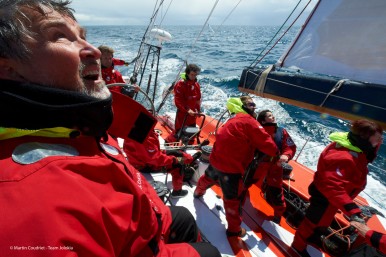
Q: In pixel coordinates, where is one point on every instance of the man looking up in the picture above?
(64, 182)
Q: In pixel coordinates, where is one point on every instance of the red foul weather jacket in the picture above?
(288, 146)
(237, 141)
(118, 62)
(187, 96)
(111, 76)
(80, 198)
(150, 154)
(341, 175)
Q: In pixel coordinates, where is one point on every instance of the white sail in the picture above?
(344, 38)
(336, 64)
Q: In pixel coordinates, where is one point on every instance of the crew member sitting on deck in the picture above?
(148, 157)
(273, 182)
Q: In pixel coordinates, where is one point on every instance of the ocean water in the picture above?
(222, 53)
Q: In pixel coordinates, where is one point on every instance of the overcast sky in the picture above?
(185, 12)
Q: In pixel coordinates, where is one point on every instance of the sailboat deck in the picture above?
(210, 217)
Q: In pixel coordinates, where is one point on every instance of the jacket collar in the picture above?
(342, 139)
(31, 107)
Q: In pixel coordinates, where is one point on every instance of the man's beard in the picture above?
(99, 91)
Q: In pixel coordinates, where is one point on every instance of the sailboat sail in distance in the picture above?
(336, 64)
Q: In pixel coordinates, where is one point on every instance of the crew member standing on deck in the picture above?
(236, 142)
(341, 175)
(273, 185)
(110, 75)
(187, 98)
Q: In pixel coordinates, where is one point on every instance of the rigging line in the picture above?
(336, 87)
(151, 23)
(170, 88)
(202, 29)
(234, 8)
(277, 32)
(196, 39)
(167, 9)
(373, 199)
(285, 32)
(373, 166)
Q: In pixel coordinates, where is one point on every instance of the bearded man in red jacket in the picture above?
(66, 189)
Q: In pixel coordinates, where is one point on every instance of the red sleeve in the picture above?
(198, 103)
(118, 62)
(288, 146)
(136, 153)
(188, 158)
(148, 153)
(160, 160)
(179, 96)
(376, 240)
(262, 140)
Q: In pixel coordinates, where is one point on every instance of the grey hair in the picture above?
(15, 22)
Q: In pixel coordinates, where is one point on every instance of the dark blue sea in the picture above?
(222, 53)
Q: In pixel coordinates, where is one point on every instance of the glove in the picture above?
(358, 218)
(287, 169)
